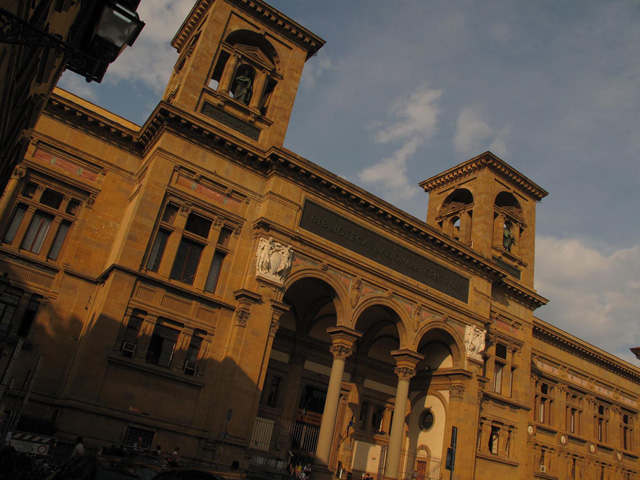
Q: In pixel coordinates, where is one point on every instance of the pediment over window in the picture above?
(255, 54)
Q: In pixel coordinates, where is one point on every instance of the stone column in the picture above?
(229, 70)
(10, 191)
(406, 361)
(258, 89)
(342, 346)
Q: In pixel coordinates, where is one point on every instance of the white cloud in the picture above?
(150, 60)
(474, 134)
(415, 122)
(314, 69)
(416, 116)
(73, 82)
(391, 173)
(593, 296)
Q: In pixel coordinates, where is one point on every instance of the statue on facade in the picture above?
(474, 341)
(273, 260)
(508, 238)
(243, 88)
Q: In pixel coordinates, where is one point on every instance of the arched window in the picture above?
(456, 214)
(247, 70)
(509, 222)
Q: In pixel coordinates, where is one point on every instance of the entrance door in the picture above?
(421, 470)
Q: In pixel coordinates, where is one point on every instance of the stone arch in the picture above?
(433, 440)
(402, 318)
(456, 214)
(255, 45)
(441, 333)
(341, 300)
(509, 224)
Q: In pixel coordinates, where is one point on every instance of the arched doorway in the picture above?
(295, 383)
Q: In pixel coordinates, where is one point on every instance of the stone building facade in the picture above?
(191, 282)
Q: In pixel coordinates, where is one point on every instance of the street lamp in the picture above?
(96, 38)
(117, 27)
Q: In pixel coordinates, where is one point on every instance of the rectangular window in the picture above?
(312, 399)
(143, 439)
(511, 379)
(162, 345)
(130, 341)
(494, 440)
(214, 272)
(169, 215)
(271, 393)
(29, 316)
(497, 377)
(193, 351)
(157, 250)
(198, 225)
(11, 232)
(52, 207)
(364, 413)
(37, 232)
(377, 420)
(186, 262)
(58, 241)
(8, 306)
(51, 198)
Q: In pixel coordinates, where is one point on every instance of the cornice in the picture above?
(521, 293)
(376, 210)
(283, 24)
(278, 161)
(93, 124)
(550, 334)
(260, 10)
(485, 160)
(190, 23)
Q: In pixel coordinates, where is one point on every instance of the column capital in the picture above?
(340, 352)
(405, 373)
(344, 336)
(406, 358)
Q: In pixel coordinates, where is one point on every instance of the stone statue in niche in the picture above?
(356, 289)
(474, 341)
(508, 238)
(273, 260)
(243, 87)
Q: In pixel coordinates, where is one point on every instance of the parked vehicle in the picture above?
(183, 473)
(101, 467)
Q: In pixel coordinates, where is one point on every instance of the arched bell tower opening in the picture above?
(456, 215)
(246, 70)
(509, 224)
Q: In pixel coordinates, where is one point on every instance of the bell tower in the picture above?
(490, 207)
(239, 67)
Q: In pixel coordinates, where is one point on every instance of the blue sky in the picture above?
(405, 89)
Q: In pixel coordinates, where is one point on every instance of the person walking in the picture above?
(78, 450)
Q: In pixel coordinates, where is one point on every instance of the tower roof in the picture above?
(485, 160)
(263, 12)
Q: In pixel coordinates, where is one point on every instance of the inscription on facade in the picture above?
(360, 240)
(231, 121)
